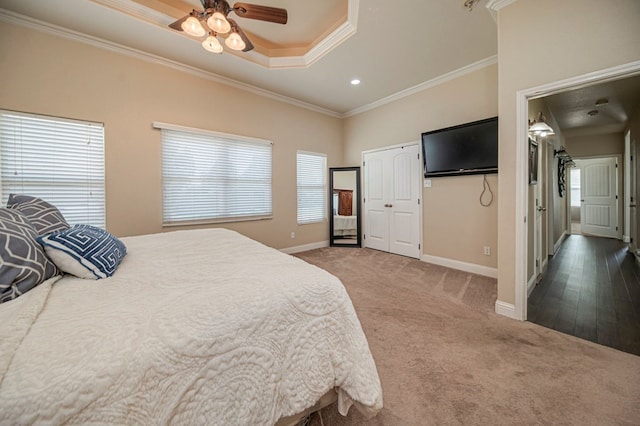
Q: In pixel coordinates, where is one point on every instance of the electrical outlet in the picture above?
(487, 251)
(293, 235)
(427, 183)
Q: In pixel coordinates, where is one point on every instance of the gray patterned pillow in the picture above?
(44, 217)
(23, 263)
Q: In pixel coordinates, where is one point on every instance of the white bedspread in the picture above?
(195, 327)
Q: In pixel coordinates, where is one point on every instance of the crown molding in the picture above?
(33, 24)
(491, 60)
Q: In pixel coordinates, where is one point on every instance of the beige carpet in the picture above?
(444, 357)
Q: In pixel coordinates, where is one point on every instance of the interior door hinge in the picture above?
(418, 246)
(616, 228)
(616, 197)
(418, 201)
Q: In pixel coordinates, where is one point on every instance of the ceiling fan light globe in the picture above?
(218, 23)
(212, 44)
(193, 27)
(235, 42)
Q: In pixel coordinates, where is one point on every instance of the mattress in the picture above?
(195, 327)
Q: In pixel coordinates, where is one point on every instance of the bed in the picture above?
(194, 327)
(345, 226)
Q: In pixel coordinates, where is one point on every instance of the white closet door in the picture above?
(404, 229)
(376, 190)
(392, 200)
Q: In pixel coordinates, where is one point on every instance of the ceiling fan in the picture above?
(214, 20)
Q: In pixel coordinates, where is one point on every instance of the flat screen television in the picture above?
(470, 148)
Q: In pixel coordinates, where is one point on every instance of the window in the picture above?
(213, 177)
(57, 159)
(312, 187)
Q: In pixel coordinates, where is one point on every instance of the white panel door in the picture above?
(376, 190)
(391, 200)
(404, 230)
(599, 206)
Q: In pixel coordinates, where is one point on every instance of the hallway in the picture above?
(591, 289)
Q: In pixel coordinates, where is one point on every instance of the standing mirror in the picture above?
(344, 206)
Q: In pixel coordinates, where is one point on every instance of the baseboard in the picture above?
(506, 310)
(462, 266)
(558, 243)
(531, 285)
(305, 247)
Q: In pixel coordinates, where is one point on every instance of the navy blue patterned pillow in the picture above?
(23, 263)
(45, 217)
(84, 251)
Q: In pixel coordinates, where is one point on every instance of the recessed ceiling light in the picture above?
(593, 112)
(355, 82)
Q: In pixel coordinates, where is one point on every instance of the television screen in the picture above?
(470, 148)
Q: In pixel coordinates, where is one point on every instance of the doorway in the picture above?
(523, 255)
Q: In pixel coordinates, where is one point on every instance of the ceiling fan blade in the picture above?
(243, 36)
(262, 13)
(177, 25)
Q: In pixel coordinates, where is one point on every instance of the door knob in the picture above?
(388, 205)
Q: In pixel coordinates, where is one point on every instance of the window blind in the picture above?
(214, 177)
(57, 159)
(312, 187)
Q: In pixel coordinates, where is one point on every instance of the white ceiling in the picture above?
(397, 45)
(577, 113)
(393, 47)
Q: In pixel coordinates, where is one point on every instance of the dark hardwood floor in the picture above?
(591, 289)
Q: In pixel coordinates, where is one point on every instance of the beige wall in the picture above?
(455, 225)
(574, 37)
(595, 145)
(44, 74)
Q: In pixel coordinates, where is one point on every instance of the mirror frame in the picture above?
(332, 240)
